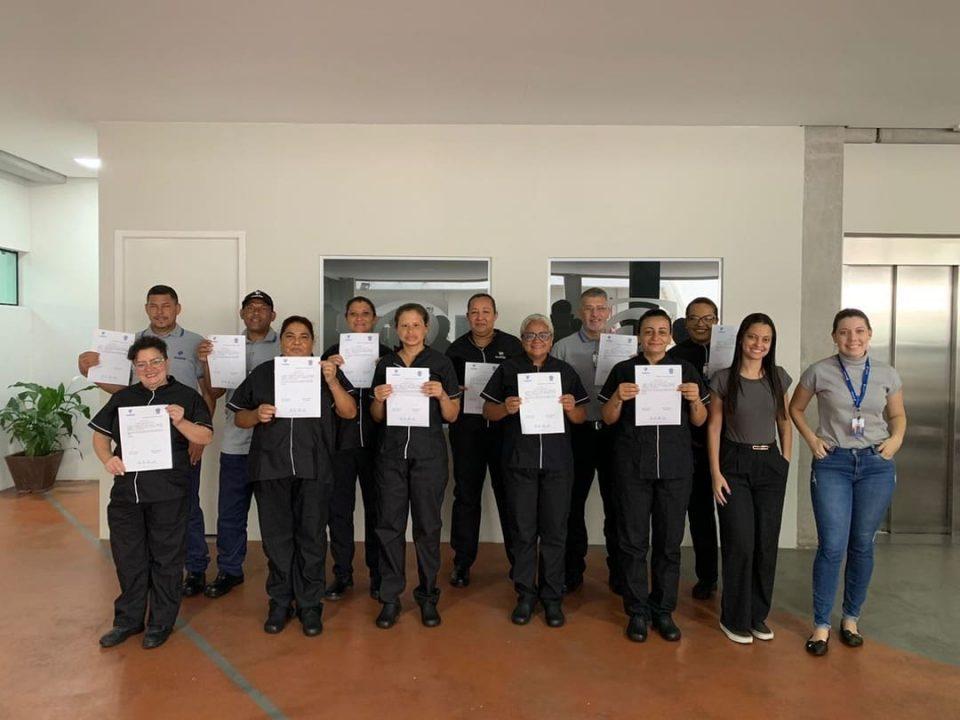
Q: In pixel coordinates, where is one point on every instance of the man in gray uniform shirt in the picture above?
(233, 503)
(162, 308)
(592, 444)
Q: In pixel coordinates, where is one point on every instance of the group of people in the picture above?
(731, 451)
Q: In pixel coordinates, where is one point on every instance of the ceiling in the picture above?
(65, 64)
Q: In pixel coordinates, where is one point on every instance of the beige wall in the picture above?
(518, 194)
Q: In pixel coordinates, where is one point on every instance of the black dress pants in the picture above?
(348, 465)
(293, 515)
(662, 503)
(415, 486)
(149, 545)
(749, 531)
(703, 520)
(473, 454)
(592, 453)
(539, 506)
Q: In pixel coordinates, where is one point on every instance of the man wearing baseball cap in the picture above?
(233, 505)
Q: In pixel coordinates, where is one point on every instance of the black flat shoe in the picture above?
(311, 620)
(388, 615)
(637, 628)
(851, 639)
(817, 648)
(663, 623)
(193, 584)
(222, 584)
(119, 634)
(703, 590)
(553, 613)
(429, 615)
(155, 638)
(338, 588)
(522, 612)
(460, 577)
(277, 617)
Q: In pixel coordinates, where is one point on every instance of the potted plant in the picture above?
(40, 419)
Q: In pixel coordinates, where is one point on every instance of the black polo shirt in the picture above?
(502, 346)
(361, 432)
(153, 485)
(418, 442)
(663, 451)
(288, 447)
(543, 452)
(697, 355)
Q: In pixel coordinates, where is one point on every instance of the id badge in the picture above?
(857, 426)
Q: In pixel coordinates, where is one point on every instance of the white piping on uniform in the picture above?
(658, 451)
(360, 416)
(293, 465)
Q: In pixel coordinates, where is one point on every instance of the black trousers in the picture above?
(473, 454)
(592, 453)
(662, 504)
(348, 465)
(539, 506)
(749, 531)
(703, 520)
(414, 486)
(149, 545)
(293, 515)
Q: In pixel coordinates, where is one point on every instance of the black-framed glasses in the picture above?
(702, 319)
(531, 336)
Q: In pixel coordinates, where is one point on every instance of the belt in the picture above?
(753, 448)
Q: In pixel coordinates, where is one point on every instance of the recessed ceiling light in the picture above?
(89, 163)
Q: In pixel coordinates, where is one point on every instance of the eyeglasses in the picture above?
(155, 363)
(531, 336)
(702, 319)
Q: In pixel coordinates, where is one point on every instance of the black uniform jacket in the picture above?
(418, 442)
(697, 355)
(663, 451)
(502, 347)
(361, 432)
(544, 452)
(288, 447)
(153, 485)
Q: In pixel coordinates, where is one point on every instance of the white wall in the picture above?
(59, 282)
(519, 194)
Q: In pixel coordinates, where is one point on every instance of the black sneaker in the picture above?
(311, 619)
(277, 617)
(637, 628)
(338, 588)
(460, 577)
(522, 612)
(429, 615)
(664, 624)
(553, 613)
(388, 615)
(118, 635)
(193, 584)
(761, 632)
(223, 584)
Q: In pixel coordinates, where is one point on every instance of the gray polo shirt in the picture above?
(580, 352)
(236, 441)
(182, 353)
(835, 405)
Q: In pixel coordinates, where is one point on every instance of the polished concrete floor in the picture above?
(58, 585)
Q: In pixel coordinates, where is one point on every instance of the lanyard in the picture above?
(857, 399)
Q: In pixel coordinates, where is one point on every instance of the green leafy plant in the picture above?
(41, 418)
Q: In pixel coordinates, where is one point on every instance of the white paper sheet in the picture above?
(613, 349)
(540, 410)
(145, 438)
(658, 402)
(296, 387)
(360, 353)
(228, 361)
(407, 406)
(113, 368)
(723, 340)
(475, 379)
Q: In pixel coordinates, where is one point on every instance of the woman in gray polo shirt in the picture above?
(861, 427)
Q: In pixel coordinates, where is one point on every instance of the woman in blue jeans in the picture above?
(861, 427)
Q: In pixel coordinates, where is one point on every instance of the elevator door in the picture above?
(911, 309)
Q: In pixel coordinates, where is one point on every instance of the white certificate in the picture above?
(228, 361)
(113, 368)
(145, 438)
(407, 406)
(296, 387)
(658, 402)
(613, 349)
(475, 379)
(360, 353)
(540, 412)
(723, 340)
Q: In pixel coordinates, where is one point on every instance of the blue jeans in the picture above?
(198, 556)
(851, 491)
(233, 507)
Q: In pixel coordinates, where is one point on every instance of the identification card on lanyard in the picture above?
(857, 422)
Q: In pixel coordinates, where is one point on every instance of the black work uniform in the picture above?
(477, 444)
(411, 477)
(538, 472)
(148, 511)
(701, 510)
(292, 471)
(653, 469)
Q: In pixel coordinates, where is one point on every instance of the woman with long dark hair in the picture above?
(861, 428)
(748, 404)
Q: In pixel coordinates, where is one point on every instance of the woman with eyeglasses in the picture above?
(291, 467)
(747, 414)
(538, 471)
(861, 427)
(148, 510)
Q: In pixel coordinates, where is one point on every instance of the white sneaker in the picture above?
(736, 637)
(761, 632)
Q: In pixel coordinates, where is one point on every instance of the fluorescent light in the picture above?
(89, 163)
